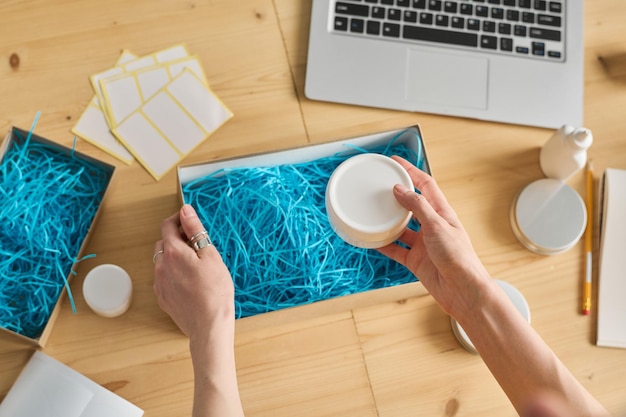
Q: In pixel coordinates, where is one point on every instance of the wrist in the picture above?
(476, 302)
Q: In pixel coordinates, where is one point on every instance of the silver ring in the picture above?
(154, 257)
(198, 236)
(201, 243)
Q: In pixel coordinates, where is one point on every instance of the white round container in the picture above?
(360, 203)
(548, 216)
(107, 290)
(514, 295)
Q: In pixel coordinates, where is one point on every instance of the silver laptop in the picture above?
(512, 61)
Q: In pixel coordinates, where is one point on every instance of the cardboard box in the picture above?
(406, 137)
(18, 136)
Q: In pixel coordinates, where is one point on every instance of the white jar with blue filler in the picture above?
(360, 203)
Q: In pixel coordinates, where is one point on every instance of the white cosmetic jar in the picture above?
(360, 203)
(548, 216)
(108, 290)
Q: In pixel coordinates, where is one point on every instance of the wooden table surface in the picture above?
(384, 353)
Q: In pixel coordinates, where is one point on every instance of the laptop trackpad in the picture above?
(446, 79)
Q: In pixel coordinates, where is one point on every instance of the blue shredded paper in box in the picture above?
(270, 225)
(48, 200)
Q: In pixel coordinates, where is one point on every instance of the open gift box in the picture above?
(265, 213)
(51, 198)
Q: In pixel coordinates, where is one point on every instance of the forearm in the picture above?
(215, 389)
(522, 363)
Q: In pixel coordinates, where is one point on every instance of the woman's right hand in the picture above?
(440, 254)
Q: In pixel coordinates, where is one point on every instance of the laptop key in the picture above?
(467, 9)
(442, 20)
(546, 34)
(352, 9)
(457, 22)
(512, 15)
(450, 6)
(555, 7)
(426, 18)
(394, 14)
(506, 44)
(341, 23)
(528, 17)
(473, 24)
(378, 12)
(489, 26)
(391, 30)
(410, 16)
(482, 11)
(548, 20)
(372, 27)
(357, 25)
(539, 48)
(504, 28)
(440, 36)
(488, 42)
(434, 5)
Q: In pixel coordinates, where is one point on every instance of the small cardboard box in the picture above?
(406, 137)
(19, 137)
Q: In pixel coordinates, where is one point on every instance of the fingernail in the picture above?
(400, 189)
(188, 210)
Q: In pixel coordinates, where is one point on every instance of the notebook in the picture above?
(511, 61)
(49, 388)
(612, 261)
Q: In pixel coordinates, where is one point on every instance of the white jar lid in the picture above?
(516, 298)
(107, 290)
(548, 216)
(360, 203)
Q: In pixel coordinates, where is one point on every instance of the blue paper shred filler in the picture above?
(270, 225)
(48, 200)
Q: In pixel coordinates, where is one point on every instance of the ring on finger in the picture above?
(156, 255)
(201, 243)
(198, 236)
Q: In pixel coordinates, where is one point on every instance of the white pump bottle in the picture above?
(565, 153)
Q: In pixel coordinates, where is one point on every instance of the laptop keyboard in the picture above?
(525, 28)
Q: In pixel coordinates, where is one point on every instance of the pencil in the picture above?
(588, 240)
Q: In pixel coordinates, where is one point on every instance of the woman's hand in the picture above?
(193, 286)
(440, 254)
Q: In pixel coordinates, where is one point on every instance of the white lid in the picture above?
(360, 203)
(548, 216)
(107, 290)
(516, 298)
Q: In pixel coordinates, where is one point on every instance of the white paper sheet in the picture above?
(611, 278)
(48, 388)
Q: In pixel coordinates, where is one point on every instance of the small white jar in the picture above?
(108, 290)
(360, 203)
(548, 216)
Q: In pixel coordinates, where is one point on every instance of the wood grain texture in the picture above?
(388, 353)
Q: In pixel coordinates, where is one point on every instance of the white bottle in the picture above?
(565, 153)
